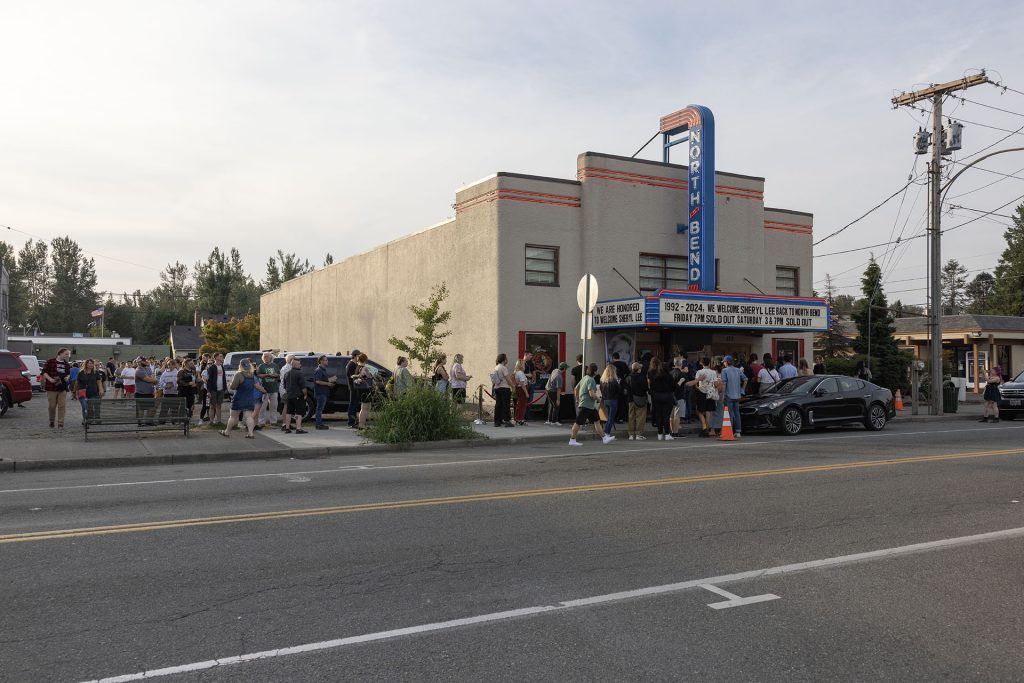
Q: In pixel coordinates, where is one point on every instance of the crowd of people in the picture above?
(650, 391)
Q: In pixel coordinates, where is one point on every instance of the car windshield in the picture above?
(239, 357)
(797, 385)
(1020, 377)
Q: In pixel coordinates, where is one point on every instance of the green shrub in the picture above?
(420, 414)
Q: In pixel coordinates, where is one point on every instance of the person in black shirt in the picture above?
(819, 366)
(295, 390)
(637, 391)
(353, 402)
(662, 390)
(577, 372)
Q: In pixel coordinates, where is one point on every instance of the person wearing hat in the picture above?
(351, 370)
(555, 385)
(733, 383)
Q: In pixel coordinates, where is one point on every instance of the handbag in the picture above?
(81, 393)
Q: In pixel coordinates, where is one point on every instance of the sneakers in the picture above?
(547, 422)
(301, 431)
(669, 437)
(322, 427)
(641, 437)
(661, 437)
(737, 435)
(574, 442)
(631, 437)
(607, 438)
(557, 424)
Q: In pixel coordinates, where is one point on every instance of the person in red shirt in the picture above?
(56, 372)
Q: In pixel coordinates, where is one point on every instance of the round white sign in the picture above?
(587, 304)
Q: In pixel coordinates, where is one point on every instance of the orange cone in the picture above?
(725, 433)
(899, 400)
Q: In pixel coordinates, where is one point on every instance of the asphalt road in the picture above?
(406, 566)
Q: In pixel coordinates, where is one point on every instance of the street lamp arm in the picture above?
(949, 182)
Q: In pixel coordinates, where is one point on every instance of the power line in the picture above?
(987, 213)
(1004, 88)
(987, 106)
(1005, 176)
(87, 251)
(868, 213)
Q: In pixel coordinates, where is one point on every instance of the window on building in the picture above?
(787, 280)
(658, 271)
(541, 265)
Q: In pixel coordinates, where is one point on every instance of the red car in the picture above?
(15, 386)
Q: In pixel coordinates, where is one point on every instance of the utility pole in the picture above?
(935, 93)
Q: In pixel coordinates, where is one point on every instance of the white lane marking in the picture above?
(786, 442)
(735, 600)
(708, 583)
(295, 479)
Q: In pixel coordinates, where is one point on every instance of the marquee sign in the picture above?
(699, 227)
(620, 313)
(740, 312)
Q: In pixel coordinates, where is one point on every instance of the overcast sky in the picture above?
(151, 132)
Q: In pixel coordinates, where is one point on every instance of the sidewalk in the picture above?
(26, 445)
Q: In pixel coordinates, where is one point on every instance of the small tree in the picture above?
(954, 285)
(875, 340)
(425, 346)
(234, 335)
(831, 341)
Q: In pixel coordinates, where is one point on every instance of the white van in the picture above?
(231, 361)
(34, 370)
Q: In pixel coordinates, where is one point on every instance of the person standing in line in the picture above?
(530, 370)
(128, 378)
(611, 395)
(111, 367)
(364, 379)
(753, 372)
(819, 366)
(767, 357)
(295, 395)
(403, 377)
(863, 371)
(145, 391)
(733, 385)
(803, 369)
(201, 393)
(991, 396)
(258, 393)
(56, 376)
(622, 372)
(440, 376)
(271, 379)
(767, 377)
(88, 385)
(283, 400)
(243, 399)
(706, 396)
(187, 385)
(521, 398)
(662, 386)
(787, 370)
(586, 401)
(459, 378)
(322, 385)
(556, 382)
(502, 392)
(638, 390)
(101, 375)
(216, 386)
(118, 381)
(351, 368)
(169, 385)
(577, 371)
(679, 406)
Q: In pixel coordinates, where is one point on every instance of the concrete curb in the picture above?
(282, 453)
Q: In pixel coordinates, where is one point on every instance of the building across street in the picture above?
(688, 260)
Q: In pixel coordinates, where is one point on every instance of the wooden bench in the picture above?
(136, 415)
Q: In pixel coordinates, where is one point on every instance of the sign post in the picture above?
(586, 298)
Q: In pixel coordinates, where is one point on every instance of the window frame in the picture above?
(527, 271)
(796, 279)
(684, 282)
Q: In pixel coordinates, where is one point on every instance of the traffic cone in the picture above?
(899, 400)
(725, 434)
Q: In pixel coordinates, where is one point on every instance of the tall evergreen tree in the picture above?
(284, 268)
(979, 293)
(832, 344)
(73, 295)
(875, 339)
(35, 274)
(1008, 293)
(17, 301)
(954, 285)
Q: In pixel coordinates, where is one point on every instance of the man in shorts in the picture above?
(295, 390)
(586, 401)
(216, 385)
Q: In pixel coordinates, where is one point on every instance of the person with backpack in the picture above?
(556, 382)
(502, 392)
(768, 376)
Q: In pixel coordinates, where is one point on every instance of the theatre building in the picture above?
(687, 259)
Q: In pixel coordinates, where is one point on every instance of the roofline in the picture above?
(789, 211)
(526, 176)
(602, 155)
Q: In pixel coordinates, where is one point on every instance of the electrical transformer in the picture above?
(951, 134)
(921, 140)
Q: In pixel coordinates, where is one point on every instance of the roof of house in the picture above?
(186, 337)
(967, 322)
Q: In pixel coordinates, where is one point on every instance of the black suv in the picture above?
(337, 402)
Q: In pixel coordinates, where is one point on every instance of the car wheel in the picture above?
(310, 410)
(791, 421)
(876, 418)
(5, 402)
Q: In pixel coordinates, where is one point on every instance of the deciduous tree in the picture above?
(425, 346)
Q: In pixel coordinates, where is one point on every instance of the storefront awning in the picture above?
(715, 310)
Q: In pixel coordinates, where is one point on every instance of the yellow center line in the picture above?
(483, 497)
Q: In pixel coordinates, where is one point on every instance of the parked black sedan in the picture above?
(1011, 398)
(337, 401)
(818, 401)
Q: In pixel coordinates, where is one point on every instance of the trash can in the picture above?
(950, 397)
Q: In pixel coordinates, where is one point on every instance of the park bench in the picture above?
(136, 415)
